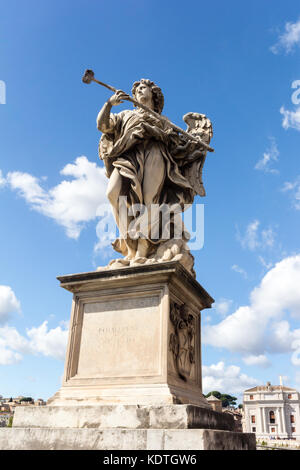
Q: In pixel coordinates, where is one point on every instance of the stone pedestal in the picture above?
(132, 375)
(134, 337)
(123, 427)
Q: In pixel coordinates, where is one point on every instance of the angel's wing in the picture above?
(198, 125)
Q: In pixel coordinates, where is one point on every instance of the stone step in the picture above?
(122, 416)
(123, 439)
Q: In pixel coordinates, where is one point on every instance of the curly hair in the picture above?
(157, 94)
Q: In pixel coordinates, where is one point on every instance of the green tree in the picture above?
(227, 400)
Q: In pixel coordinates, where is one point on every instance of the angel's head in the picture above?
(148, 93)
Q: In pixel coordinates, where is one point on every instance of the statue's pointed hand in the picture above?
(118, 97)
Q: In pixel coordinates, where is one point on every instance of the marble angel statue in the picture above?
(150, 165)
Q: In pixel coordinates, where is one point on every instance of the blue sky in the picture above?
(234, 62)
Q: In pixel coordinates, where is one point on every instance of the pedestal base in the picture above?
(122, 416)
(122, 427)
(120, 439)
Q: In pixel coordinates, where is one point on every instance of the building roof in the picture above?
(212, 398)
(271, 388)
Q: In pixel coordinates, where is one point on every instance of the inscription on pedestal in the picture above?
(109, 335)
(120, 338)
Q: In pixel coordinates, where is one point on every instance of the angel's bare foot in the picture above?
(120, 261)
(131, 254)
(139, 260)
(143, 249)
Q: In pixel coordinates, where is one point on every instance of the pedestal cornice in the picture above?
(152, 273)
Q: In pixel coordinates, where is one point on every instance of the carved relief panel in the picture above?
(182, 340)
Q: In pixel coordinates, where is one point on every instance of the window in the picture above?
(293, 429)
(252, 419)
(273, 430)
(272, 417)
(289, 396)
(292, 418)
(253, 429)
(251, 397)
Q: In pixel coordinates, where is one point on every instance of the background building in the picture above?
(237, 416)
(272, 412)
(8, 405)
(215, 403)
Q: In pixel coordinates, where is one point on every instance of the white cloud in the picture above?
(223, 306)
(228, 379)
(40, 340)
(261, 326)
(296, 357)
(48, 342)
(282, 339)
(291, 119)
(261, 360)
(8, 357)
(70, 203)
(265, 264)
(29, 188)
(267, 238)
(288, 186)
(254, 239)
(269, 157)
(11, 338)
(250, 239)
(12, 346)
(296, 354)
(8, 303)
(289, 39)
(294, 189)
(2, 179)
(239, 270)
